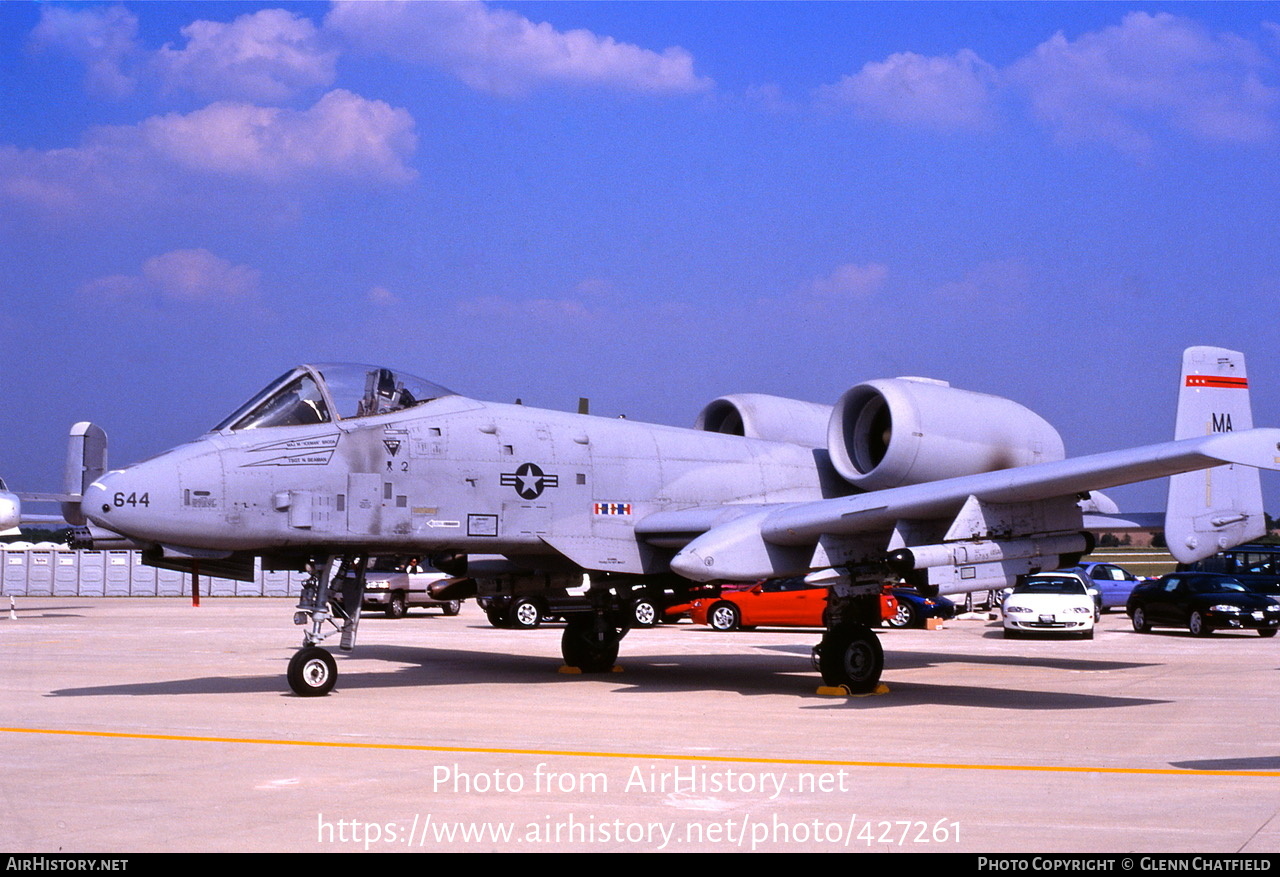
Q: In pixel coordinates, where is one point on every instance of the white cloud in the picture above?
(105, 39)
(195, 275)
(1123, 85)
(1116, 84)
(500, 51)
(267, 56)
(951, 92)
(848, 282)
(342, 137)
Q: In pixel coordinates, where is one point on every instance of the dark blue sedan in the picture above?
(914, 608)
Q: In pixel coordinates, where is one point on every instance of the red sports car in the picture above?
(789, 602)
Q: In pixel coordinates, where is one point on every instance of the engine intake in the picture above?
(901, 431)
(775, 418)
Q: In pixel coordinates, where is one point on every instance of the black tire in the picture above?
(397, 606)
(906, 616)
(1267, 632)
(1140, 620)
(724, 616)
(851, 656)
(1196, 625)
(584, 648)
(312, 672)
(644, 613)
(453, 607)
(524, 614)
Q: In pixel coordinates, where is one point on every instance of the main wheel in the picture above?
(397, 606)
(644, 613)
(905, 616)
(312, 672)
(1197, 626)
(851, 656)
(453, 607)
(524, 614)
(1140, 621)
(724, 616)
(588, 649)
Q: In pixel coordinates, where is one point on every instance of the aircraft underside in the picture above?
(848, 656)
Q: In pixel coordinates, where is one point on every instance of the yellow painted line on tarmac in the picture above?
(565, 753)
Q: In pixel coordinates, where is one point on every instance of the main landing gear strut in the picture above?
(312, 670)
(850, 655)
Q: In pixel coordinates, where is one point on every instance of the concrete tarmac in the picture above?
(135, 725)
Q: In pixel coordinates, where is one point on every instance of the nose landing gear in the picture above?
(312, 669)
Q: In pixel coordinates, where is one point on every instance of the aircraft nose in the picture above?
(120, 500)
(10, 511)
(151, 503)
(95, 504)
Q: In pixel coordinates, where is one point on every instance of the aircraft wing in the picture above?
(1258, 448)
(758, 540)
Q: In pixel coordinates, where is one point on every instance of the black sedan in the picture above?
(1202, 603)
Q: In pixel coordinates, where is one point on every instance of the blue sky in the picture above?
(649, 204)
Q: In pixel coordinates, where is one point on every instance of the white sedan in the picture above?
(1057, 602)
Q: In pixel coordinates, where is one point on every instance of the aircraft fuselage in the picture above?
(450, 475)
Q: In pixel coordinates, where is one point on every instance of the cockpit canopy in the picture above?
(324, 392)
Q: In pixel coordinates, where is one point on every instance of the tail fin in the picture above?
(86, 462)
(1217, 508)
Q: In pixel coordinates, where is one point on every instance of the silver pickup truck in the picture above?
(393, 590)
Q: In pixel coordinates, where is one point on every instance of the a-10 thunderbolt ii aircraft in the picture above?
(903, 479)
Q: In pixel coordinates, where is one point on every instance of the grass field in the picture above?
(1139, 561)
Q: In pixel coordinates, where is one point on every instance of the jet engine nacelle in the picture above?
(900, 431)
(775, 418)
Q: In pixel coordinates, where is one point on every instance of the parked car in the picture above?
(1050, 602)
(785, 602)
(393, 590)
(645, 607)
(1202, 602)
(528, 612)
(1113, 583)
(914, 608)
(1256, 566)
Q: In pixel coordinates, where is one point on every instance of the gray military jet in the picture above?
(903, 479)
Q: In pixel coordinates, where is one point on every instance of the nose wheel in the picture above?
(312, 672)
